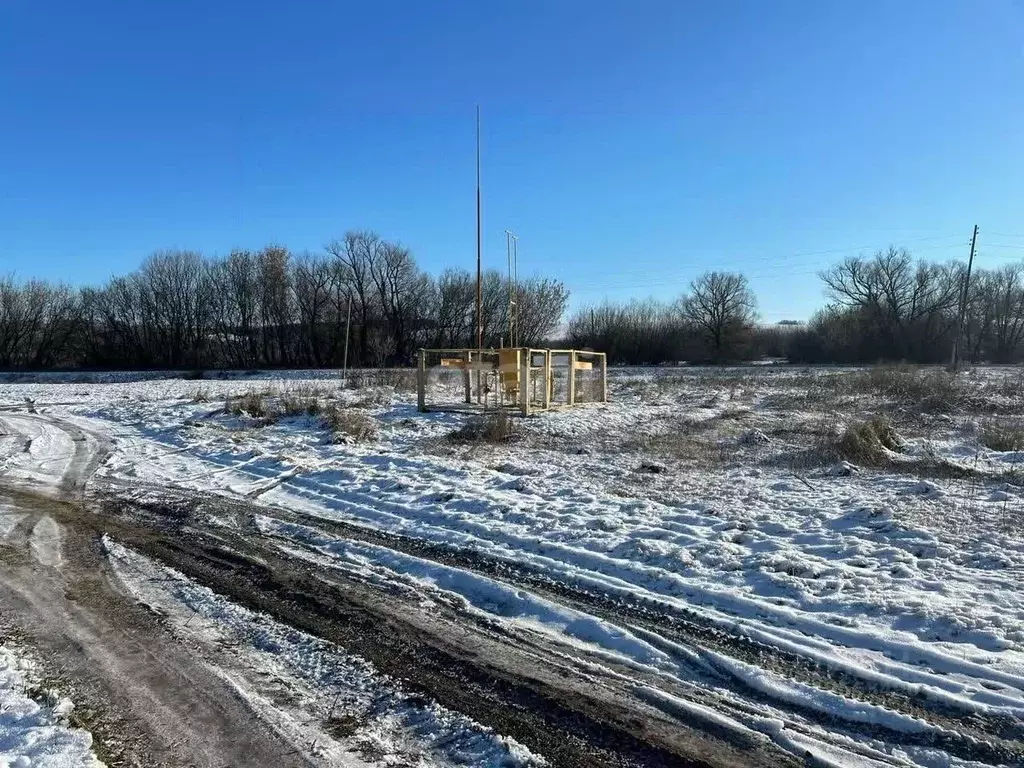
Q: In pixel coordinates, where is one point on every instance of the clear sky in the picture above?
(630, 144)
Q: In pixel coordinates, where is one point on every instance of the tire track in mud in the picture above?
(147, 699)
(988, 739)
(967, 735)
(541, 701)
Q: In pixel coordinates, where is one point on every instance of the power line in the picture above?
(679, 272)
(786, 259)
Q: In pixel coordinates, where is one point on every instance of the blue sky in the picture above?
(631, 145)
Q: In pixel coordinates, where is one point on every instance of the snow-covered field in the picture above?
(722, 497)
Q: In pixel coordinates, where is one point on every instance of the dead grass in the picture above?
(684, 444)
(298, 404)
(494, 427)
(348, 423)
(254, 404)
(399, 379)
(268, 408)
(928, 389)
(868, 442)
(1003, 435)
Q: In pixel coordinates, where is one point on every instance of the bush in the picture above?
(1003, 436)
(250, 404)
(932, 390)
(400, 379)
(346, 422)
(293, 404)
(868, 442)
(496, 427)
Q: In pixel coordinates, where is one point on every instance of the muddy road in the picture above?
(152, 697)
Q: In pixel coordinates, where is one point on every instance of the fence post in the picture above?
(604, 377)
(421, 382)
(524, 383)
(548, 381)
(572, 377)
(466, 380)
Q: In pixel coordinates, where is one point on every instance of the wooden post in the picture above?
(548, 381)
(421, 382)
(604, 377)
(466, 380)
(572, 377)
(524, 383)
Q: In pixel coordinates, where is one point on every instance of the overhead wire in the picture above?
(769, 269)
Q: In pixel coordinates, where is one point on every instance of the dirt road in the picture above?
(152, 697)
(148, 699)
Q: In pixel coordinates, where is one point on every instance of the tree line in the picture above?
(887, 306)
(273, 308)
(266, 308)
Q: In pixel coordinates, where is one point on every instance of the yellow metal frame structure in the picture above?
(519, 379)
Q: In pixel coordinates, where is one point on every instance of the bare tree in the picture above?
(357, 254)
(723, 309)
(907, 308)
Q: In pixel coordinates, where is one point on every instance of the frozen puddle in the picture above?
(46, 542)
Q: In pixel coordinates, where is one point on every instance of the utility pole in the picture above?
(963, 305)
(344, 359)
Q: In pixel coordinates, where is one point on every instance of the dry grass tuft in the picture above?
(400, 379)
(929, 389)
(868, 442)
(495, 427)
(348, 423)
(1003, 435)
(249, 404)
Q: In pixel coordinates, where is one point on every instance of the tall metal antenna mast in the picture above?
(479, 273)
(512, 251)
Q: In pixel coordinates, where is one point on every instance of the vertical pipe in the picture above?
(344, 359)
(524, 382)
(604, 377)
(421, 382)
(572, 377)
(548, 380)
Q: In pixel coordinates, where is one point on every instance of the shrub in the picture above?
(495, 427)
(1003, 435)
(932, 389)
(194, 375)
(348, 422)
(401, 379)
(298, 404)
(868, 442)
(250, 404)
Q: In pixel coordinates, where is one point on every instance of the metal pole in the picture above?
(954, 362)
(479, 272)
(511, 250)
(344, 359)
(479, 248)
